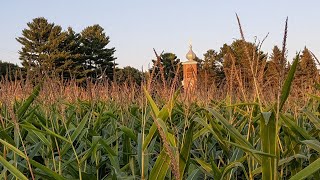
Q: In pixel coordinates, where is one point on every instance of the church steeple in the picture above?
(190, 72)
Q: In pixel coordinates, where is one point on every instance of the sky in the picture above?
(135, 27)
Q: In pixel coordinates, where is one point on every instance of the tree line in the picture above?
(50, 50)
(235, 65)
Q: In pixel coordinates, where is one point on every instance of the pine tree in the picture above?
(98, 59)
(169, 62)
(73, 67)
(276, 68)
(307, 72)
(42, 46)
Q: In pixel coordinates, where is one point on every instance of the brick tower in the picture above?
(190, 72)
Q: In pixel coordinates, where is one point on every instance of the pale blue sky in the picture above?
(137, 26)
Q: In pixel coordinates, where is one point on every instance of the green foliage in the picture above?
(128, 74)
(8, 69)
(245, 59)
(97, 57)
(47, 49)
(42, 45)
(169, 62)
(211, 69)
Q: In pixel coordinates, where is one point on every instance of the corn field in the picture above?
(140, 135)
(58, 130)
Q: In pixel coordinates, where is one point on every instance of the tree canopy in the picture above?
(307, 71)
(169, 62)
(128, 74)
(47, 49)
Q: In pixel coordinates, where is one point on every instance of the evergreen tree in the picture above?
(307, 72)
(48, 49)
(97, 57)
(276, 67)
(74, 65)
(42, 46)
(169, 62)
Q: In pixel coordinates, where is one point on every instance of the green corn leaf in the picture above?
(153, 105)
(162, 125)
(314, 119)
(204, 165)
(307, 171)
(47, 131)
(251, 151)
(287, 84)
(160, 167)
(282, 162)
(14, 171)
(314, 97)
(216, 171)
(107, 147)
(302, 133)
(268, 136)
(153, 128)
(149, 137)
(22, 109)
(129, 132)
(41, 137)
(11, 168)
(163, 114)
(76, 133)
(89, 152)
(13, 148)
(47, 171)
(4, 135)
(126, 150)
(35, 150)
(243, 104)
(185, 150)
(231, 166)
(200, 133)
(214, 131)
(234, 133)
(54, 134)
(266, 116)
(81, 126)
(314, 144)
(194, 175)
